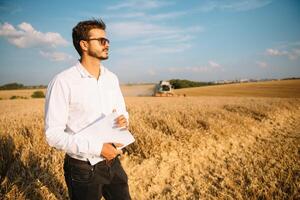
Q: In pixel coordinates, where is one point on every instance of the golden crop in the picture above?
(278, 88)
(186, 148)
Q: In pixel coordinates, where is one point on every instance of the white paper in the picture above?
(104, 131)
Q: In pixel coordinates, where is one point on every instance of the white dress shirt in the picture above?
(74, 100)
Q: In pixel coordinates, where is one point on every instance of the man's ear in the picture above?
(84, 45)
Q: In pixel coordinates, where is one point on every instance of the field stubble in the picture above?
(186, 148)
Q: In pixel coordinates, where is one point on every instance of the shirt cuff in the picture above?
(95, 147)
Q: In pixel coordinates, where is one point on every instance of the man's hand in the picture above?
(121, 122)
(109, 151)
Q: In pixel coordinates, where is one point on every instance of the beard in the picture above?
(98, 54)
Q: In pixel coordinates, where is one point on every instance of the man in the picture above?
(77, 97)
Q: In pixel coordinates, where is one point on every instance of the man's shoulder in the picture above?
(110, 74)
(67, 74)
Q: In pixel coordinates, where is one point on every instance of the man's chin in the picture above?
(104, 58)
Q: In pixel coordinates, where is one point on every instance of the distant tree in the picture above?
(13, 97)
(15, 86)
(178, 83)
(291, 78)
(17, 97)
(38, 94)
(12, 86)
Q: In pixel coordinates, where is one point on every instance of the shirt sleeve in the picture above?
(120, 103)
(56, 117)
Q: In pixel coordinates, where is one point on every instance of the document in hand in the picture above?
(104, 130)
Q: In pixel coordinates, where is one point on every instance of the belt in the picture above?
(75, 161)
(82, 162)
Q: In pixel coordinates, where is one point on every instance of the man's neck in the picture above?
(92, 66)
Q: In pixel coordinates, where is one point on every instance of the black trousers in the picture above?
(87, 182)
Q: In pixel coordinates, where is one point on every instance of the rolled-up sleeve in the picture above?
(120, 103)
(56, 118)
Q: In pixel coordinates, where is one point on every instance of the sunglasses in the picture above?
(101, 40)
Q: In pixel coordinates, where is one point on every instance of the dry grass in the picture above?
(6, 94)
(127, 90)
(137, 90)
(186, 148)
(285, 89)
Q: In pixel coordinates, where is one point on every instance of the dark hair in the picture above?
(81, 31)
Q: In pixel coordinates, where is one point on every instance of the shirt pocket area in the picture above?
(79, 99)
(112, 100)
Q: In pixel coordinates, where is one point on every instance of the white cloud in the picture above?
(174, 48)
(144, 16)
(7, 30)
(232, 5)
(173, 38)
(262, 64)
(153, 49)
(163, 16)
(137, 29)
(56, 56)
(25, 36)
(275, 52)
(294, 54)
(135, 4)
(150, 38)
(291, 54)
(127, 15)
(212, 66)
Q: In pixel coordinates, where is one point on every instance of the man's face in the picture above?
(98, 44)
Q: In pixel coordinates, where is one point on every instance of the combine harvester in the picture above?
(164, 89)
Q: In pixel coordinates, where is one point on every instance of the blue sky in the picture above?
(154, 40)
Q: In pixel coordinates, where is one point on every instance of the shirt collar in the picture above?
(84, 73)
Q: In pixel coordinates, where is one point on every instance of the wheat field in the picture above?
(127, 90)
(278, 88)
(186, 148)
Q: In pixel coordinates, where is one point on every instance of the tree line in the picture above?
(17, 86)
(178, 83)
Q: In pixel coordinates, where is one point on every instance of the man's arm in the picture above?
(120, 103)
(56, 117)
